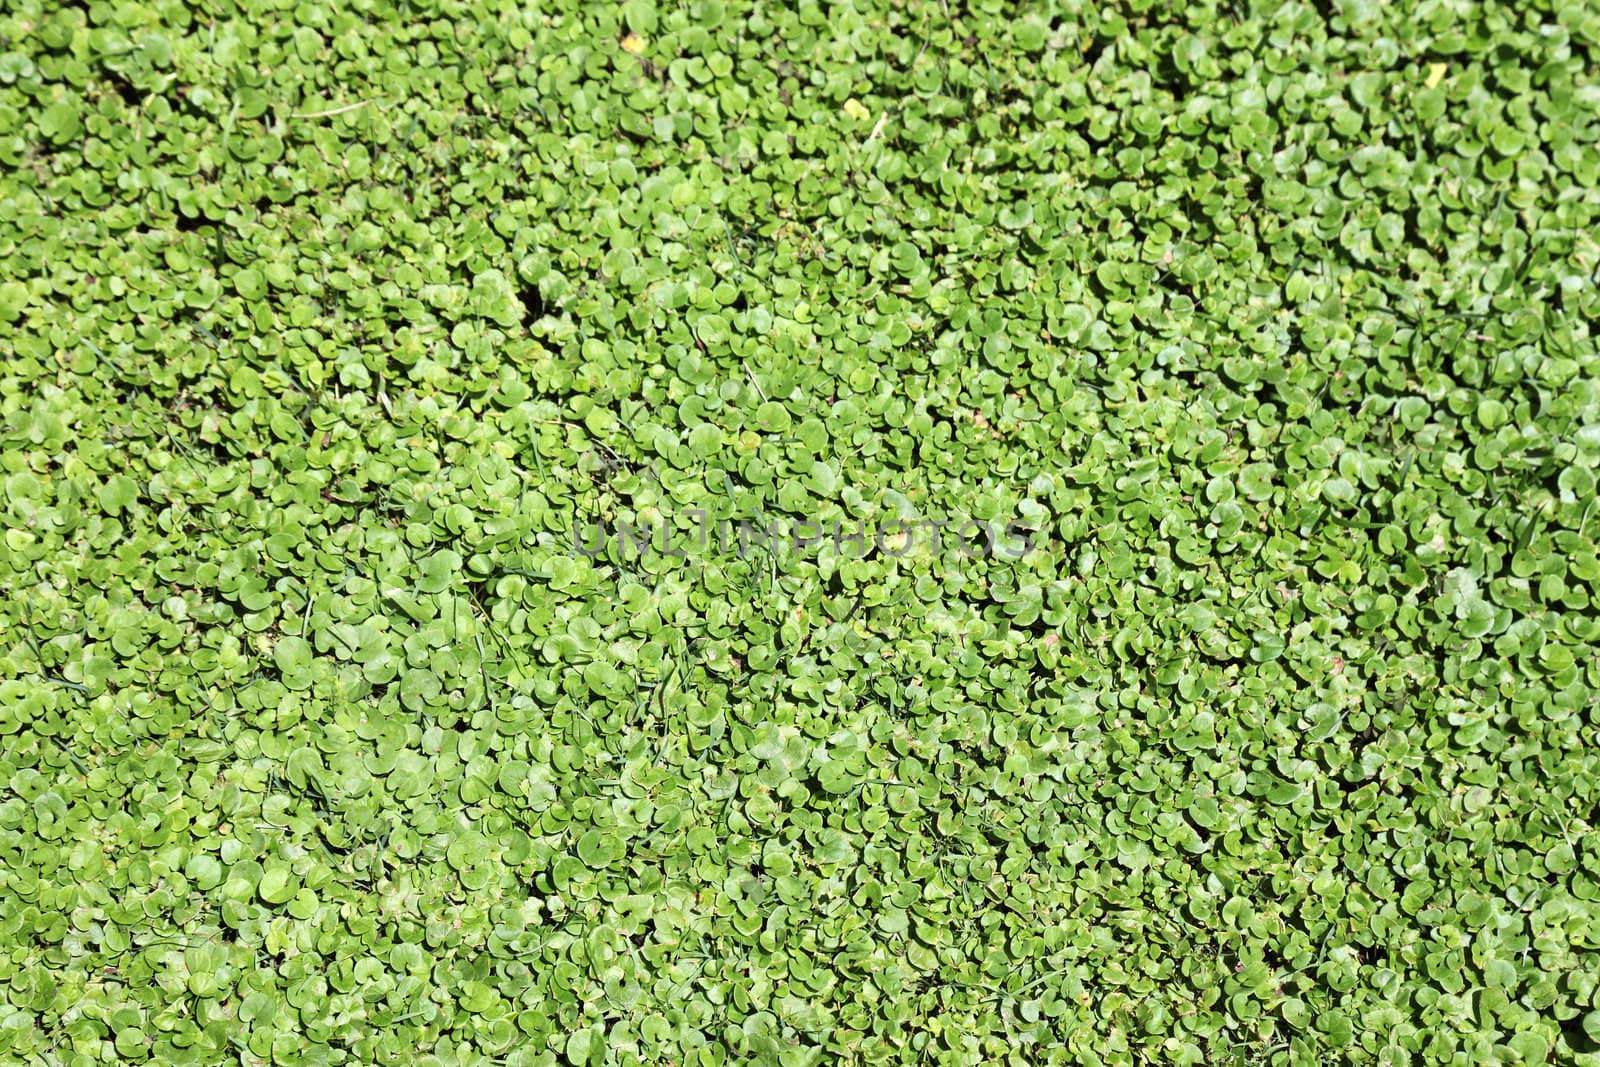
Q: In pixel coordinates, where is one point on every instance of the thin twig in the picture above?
(330, 112)
(755, 383)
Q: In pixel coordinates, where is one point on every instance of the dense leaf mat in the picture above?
(327, 741)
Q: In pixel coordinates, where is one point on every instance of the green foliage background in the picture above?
(320, 323)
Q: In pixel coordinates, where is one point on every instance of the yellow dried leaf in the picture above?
(1436, 73)
(855, 109)
(633, 44)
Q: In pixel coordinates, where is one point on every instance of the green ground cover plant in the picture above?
(327, 328)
